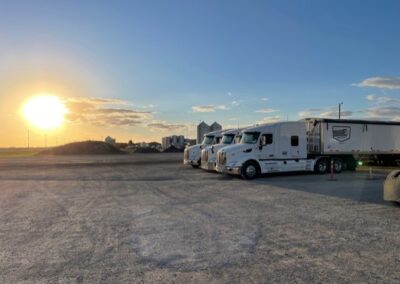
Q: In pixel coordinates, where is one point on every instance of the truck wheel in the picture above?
(250, 170)
(337, 165)
(321, 167)
(198, 164)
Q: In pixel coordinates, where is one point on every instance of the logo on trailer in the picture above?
(341, 133)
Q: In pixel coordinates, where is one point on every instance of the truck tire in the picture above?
(338, 165)
(321, 167)
(250, 170)
(198, 164)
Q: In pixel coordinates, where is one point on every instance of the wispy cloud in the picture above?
(266, 110)
(270, 119)
(328, 112)
(104, 112)
(384, 108)
(382, 100)
(380, 82)
(209, 108)
(165, 126)
(265, 99)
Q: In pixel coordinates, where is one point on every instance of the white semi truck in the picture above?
(310, 145)
(209, 153)
(192, 154)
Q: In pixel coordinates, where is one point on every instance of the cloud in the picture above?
(327, 112)
(384, 108)
(266, 110)
(265, 99)
(104, 112)
(165, 126)
(382, 100)
(235, 103)
(209, 108)
(385, 113)
(270, 119)
(380, 82)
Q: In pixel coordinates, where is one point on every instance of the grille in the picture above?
(221, 158)
(204, 155)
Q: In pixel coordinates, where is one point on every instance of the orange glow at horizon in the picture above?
(45, 112)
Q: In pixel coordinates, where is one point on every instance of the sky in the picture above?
(141, 70)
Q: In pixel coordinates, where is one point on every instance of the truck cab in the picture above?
(192, 154)
(209, 153)
(267, 148)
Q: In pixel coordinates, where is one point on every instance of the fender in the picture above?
(255, 161)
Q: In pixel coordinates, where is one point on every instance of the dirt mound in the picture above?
(172, 149)
(83, 148)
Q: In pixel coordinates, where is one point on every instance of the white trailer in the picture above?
(309, 145)
(192, 154)
(354, 140)
(209, 153)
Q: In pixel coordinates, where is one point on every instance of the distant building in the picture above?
(190, 142)
(155, 145)
(178, 141)
(110, 140)
(204, 128)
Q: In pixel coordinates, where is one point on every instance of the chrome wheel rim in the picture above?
(338, 166)
(322, 167)
(251, 171)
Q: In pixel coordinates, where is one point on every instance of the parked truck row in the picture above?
(310, 145)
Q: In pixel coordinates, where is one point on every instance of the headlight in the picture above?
(232, 164)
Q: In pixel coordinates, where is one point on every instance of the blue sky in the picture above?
(230, 58)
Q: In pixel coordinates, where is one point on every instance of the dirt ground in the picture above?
(146, 218)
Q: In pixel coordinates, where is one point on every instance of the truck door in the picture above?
(294, 146)
(267, 153)
(267, 146)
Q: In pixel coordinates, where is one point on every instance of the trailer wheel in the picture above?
(321, 167)
(338, 165)
(250, 170)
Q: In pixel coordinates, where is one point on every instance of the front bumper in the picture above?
(208, 166)
(191, 162)
(228, 170)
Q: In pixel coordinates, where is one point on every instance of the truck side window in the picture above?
(294, 141)
(267, 139)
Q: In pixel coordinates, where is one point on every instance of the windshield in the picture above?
(250, 138)
(228, 138)
(208, 139)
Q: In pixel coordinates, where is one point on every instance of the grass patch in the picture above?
(18, 153)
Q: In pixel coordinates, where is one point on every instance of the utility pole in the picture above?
(340, 110)
(28, 138)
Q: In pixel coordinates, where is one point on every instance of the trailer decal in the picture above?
(341, 133)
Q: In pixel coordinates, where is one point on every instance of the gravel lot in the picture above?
(147, 218)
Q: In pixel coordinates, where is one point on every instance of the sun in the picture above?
(45, 111)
